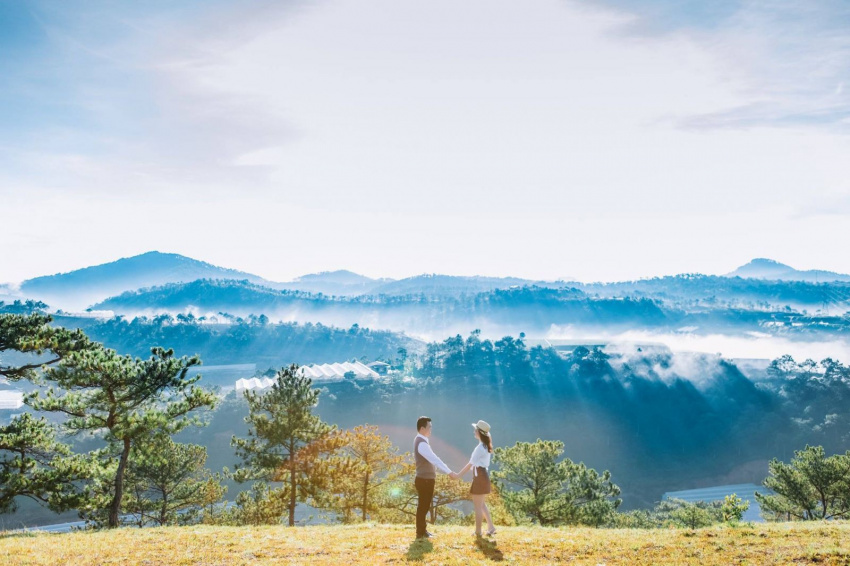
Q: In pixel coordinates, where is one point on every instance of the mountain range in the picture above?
(83, 288)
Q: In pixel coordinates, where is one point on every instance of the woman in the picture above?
(478, 463)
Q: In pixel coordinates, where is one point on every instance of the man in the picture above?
(427, 464)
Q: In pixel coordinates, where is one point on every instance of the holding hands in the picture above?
(454, 475)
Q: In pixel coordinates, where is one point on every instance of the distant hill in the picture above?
(451, 285)
(80, 288)
(762, 268)
(712, 291)
(339, 283)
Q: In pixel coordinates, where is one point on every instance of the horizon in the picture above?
(603, 140)
(13, 285)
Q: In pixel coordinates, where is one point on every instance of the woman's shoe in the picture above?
(491, 532)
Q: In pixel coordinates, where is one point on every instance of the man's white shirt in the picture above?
(426, 452)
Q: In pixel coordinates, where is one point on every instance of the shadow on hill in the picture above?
(419, 548)
(489, 549)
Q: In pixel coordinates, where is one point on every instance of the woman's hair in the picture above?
(486, 439)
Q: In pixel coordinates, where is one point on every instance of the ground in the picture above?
(790, 543)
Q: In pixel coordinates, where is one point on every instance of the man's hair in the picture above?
(422, 423)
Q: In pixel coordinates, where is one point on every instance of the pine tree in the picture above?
(552, 492)
(127, 398)
(286, 441)
(813, 486)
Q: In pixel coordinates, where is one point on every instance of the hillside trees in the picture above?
(673, 512)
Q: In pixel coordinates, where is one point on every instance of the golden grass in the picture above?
(792, 543)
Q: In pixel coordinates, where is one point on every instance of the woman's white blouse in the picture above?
(480, 457)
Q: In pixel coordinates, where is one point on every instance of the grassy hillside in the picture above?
(820, 543)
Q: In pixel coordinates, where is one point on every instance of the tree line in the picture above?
(132, 407)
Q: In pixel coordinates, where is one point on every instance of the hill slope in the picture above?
(789, 543)
(82, 287)
(340, 282)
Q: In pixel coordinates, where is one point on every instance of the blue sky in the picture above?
(596, 140)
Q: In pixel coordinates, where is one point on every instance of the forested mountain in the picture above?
(609, 308)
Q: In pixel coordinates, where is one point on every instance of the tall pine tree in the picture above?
(126, 398)
(286, 441)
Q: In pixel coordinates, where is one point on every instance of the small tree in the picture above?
(126, 398)
(168, 484)
(692, 516)
(286, 440)
(366, 461)
(261, 505)
(552, 492)
(733, 508)
(813, 486)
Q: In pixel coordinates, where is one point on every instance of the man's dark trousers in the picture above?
(425, 490)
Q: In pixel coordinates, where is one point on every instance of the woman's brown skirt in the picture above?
(480, 482)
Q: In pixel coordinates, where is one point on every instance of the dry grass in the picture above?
(820, 543)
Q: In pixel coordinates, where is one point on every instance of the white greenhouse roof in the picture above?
(11, 399)
(316, 372)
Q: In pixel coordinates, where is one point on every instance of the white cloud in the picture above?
(394, 139)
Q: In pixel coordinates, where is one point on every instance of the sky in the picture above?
(598, 140)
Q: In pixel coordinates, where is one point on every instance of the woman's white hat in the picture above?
(482, 426)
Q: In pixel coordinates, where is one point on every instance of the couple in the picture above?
(427, 464)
